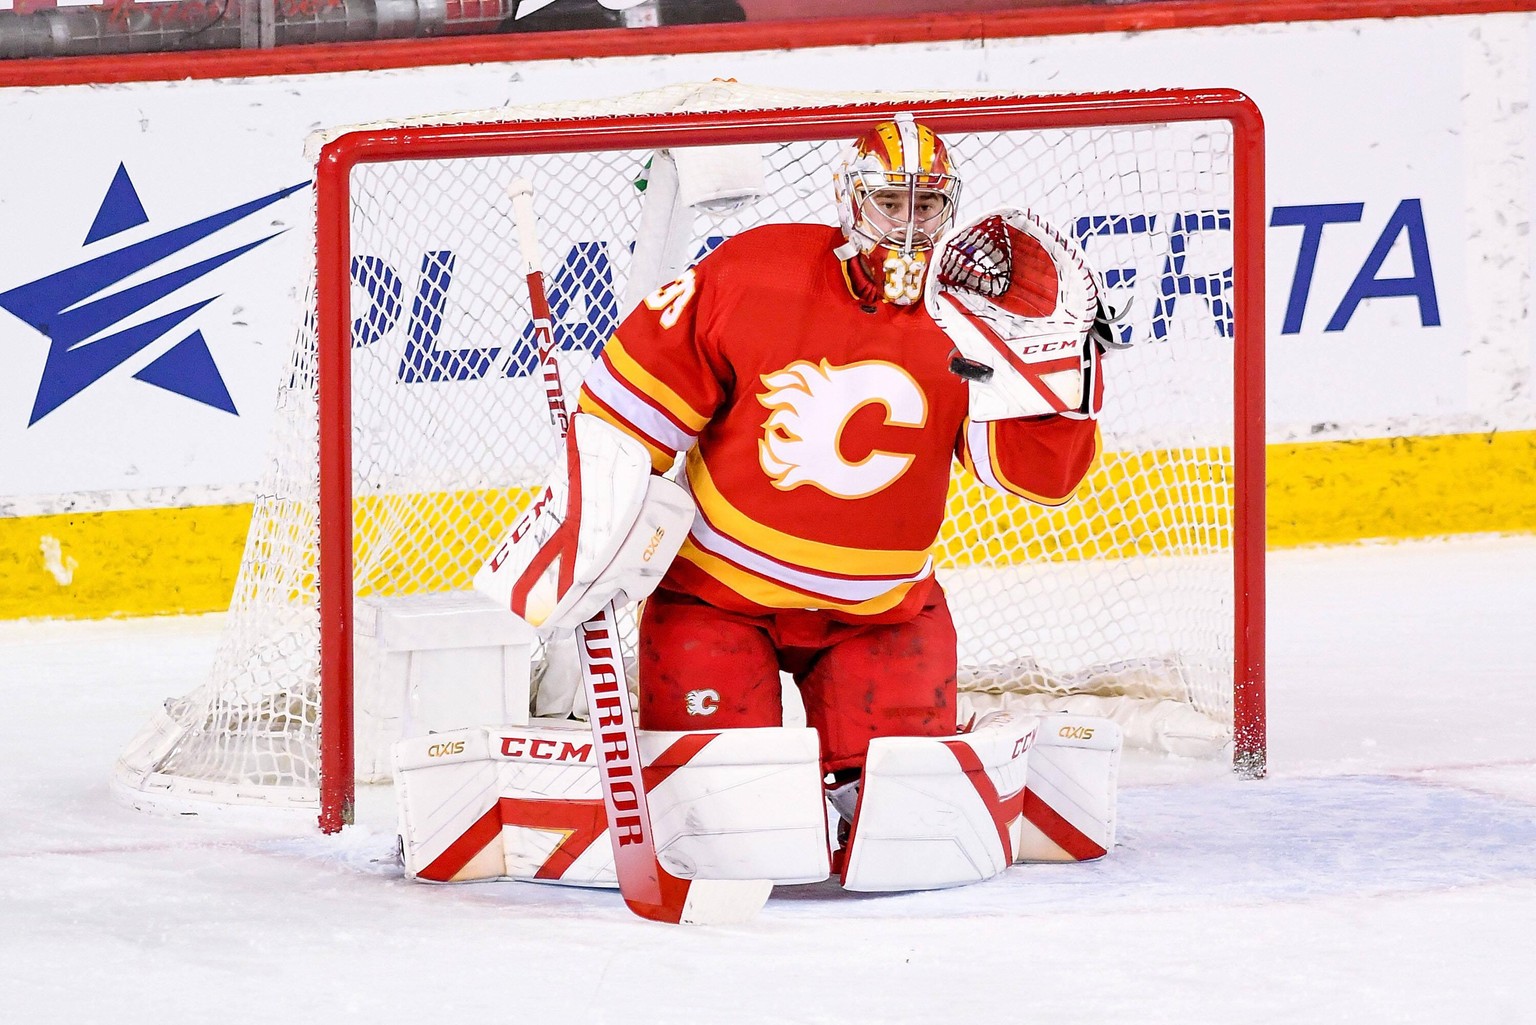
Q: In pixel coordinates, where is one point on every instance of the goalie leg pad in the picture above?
(605, 529)
(1069, 804)
(738, 804)
(527, 803)
(446, 788)
(936, 812)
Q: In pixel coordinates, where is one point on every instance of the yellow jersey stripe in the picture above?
(652, 387)
(797, 551)
(774, 595)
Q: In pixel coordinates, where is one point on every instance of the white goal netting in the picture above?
(1123, 602)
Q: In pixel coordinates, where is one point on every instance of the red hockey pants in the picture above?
(705, 668)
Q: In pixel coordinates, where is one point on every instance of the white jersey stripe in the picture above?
(613, 394)
(978, 441)
(842, 589)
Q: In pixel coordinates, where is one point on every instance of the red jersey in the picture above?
(820, 430)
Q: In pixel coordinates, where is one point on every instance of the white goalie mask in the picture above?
(897, 193)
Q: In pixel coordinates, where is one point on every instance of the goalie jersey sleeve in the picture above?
(819, 432)
(1043, 459)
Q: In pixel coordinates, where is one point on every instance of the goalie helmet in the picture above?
(896, 195)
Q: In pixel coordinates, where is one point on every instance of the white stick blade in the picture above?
(724, 901)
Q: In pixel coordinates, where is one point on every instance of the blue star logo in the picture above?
(84, 321)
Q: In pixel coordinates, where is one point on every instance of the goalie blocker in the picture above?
(526, 803)
(604, 530)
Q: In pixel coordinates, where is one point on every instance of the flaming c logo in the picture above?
(702, 702)
(809, 406)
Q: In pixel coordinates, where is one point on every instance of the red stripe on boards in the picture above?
(1033, 22)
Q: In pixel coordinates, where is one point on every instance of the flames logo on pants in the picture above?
(811, 403)
(702, 702)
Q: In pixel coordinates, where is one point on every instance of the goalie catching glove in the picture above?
(605, 529)
(1026, 314)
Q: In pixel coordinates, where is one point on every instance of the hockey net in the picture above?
(412, 425)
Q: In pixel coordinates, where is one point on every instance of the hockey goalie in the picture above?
(819, 383)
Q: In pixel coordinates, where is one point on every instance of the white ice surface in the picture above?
(1384, 872)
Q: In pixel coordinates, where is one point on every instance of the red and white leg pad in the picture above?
(936, 812)
(525, 802)
(945, 812)
(1069, 803)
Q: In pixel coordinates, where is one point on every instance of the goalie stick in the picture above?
(647, 887)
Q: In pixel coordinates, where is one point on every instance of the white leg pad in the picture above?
(940, 812)
(526, 803)
(1069, 804)
(446, 791)
(747, 805)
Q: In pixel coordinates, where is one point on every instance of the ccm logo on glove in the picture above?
(1030, 350)
(520, 528)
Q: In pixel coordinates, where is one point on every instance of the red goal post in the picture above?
(1181, 520)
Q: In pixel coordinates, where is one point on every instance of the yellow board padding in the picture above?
(168, 561)
(1406, 487)
(1139, 503)
(451, 535)
(130, 562)
(140, 562)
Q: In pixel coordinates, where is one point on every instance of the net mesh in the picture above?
(1127, 592)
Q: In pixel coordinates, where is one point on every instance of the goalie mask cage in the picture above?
(412, 426)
